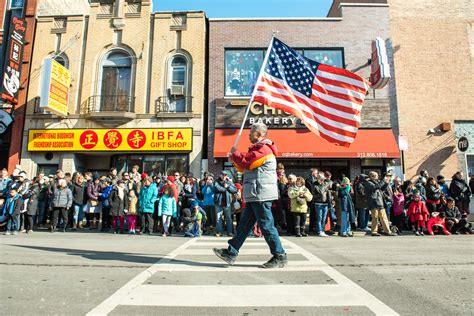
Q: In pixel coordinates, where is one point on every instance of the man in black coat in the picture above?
(454, 221)
(374, 192)
(310, 183)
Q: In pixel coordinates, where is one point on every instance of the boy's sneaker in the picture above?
(224, 255)
(8, 232)
(277, 261)
(30, 231)
(322, 234)
(218, 234)
(422, 234)
(15, 232)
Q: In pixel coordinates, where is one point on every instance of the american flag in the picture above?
(327, 99)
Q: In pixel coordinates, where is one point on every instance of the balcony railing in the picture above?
(111, 103)
(178, 104)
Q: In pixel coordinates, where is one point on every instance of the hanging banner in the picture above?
(121, 139)
(380, 68)
(13, 58)
(55, 83)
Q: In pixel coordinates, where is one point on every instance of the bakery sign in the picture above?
(273, 118)
(380, 68)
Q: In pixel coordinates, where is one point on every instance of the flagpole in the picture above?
(262, 70)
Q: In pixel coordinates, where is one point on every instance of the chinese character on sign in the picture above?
(112, 139)
(88, 139)
(136, 139)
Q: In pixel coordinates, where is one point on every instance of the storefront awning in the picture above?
(294, 143)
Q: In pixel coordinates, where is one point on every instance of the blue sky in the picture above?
(248, 8)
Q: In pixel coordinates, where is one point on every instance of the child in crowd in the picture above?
(192, 220)
(300, 196)
(132, 212)
(167, 209)
(437, 224)
(347, 207)
(12, 209)
(418, 214)
(399, 209)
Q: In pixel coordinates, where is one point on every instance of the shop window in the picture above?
(47, 169)
(241, 71)
(116, 82)
(154, 165)
(367, 162)
(177, 163)
(470, 164)
(325, 56)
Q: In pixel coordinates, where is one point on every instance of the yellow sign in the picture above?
(149, 139)
(55, 87)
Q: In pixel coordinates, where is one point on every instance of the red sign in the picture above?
(112, 139)
(136, 139)
(88, 139)
(380, 68)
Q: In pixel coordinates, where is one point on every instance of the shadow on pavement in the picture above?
(123, 256)
(97, 255)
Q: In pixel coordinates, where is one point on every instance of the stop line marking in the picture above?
(344, 293)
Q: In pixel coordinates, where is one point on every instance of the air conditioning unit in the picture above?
(177, 90)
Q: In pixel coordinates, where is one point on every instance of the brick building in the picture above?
(236, 50)
(10, 139)
(136, 94)
(434, 49)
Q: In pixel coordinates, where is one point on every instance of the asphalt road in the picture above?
(80, 273)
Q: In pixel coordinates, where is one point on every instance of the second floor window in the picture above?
(116, 82)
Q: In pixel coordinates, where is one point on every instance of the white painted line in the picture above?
(121, 294)
(224, 244)
(373, 303)
(243, 251)
(251, 267)
(243, 295)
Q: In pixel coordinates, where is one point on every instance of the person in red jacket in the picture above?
(418, 214)
(437, 222)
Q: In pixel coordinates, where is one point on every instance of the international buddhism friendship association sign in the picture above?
(123, 139)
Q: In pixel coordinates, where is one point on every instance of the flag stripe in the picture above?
(343, 72)
(345, 94)
(335, 77)
(310, 123)
(342, 113)
(348, 100)
(309, 113)
(343, 85)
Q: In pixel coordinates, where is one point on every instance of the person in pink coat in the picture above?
(437, 222)
(418, 214)
(398, 209)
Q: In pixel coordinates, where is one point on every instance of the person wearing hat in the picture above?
(224, 190)
(374, 193)
(442, 185)
(5, 183)
(260, 190)
(453, 218)
(92, 196)
(192, 220)
(460, 192)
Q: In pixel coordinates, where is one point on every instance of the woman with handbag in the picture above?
(92, 208)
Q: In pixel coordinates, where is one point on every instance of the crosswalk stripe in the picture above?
(343, 293)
